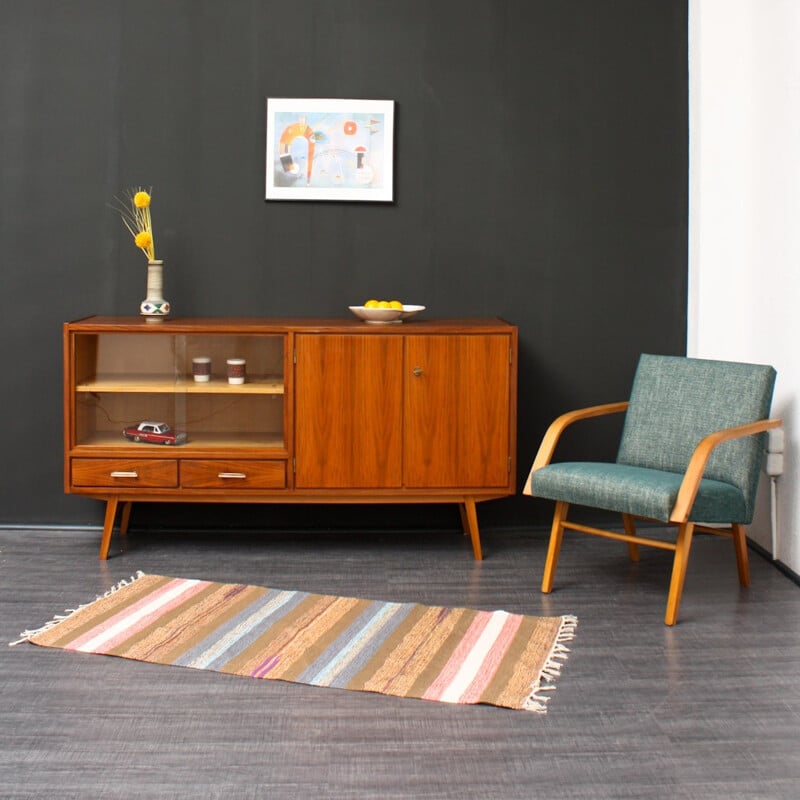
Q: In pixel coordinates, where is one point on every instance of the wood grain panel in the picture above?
(348, 411)
(233, 474)
(457, 411)
(125, 473)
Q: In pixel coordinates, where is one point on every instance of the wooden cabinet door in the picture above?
(348, 411)
(457, 411)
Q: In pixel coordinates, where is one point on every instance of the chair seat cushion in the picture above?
(640, 491)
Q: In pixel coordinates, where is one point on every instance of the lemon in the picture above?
(393, 304)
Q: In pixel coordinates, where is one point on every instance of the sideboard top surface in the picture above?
(99, 324)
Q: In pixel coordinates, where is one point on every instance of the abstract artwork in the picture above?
(329, 149)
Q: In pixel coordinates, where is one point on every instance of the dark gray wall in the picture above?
(541, 176)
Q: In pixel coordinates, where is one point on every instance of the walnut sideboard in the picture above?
(331, 411)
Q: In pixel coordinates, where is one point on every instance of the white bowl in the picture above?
(409, 311)
(377, 315)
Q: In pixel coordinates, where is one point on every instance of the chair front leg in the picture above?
(742, 561)
(556, 535)
(682, 547)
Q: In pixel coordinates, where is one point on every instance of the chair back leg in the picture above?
(742, 561)
(630, 528)
(682, 547)
(556, 535)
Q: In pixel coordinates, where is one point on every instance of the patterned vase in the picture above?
(154, 307)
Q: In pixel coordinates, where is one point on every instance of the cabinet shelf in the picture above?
(155, 384)
(200, 441)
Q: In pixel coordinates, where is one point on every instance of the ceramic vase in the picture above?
(154, 307)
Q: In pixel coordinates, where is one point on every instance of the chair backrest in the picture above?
(677, 401)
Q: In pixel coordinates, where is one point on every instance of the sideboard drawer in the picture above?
(233, 475)
(128, 473)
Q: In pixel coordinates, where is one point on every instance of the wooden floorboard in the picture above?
(707, 709)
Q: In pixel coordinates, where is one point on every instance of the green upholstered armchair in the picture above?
(688, 456)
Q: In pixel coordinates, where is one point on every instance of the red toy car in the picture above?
(154, 433)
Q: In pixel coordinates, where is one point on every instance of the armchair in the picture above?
(689, 456)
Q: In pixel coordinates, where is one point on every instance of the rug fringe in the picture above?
(536, 701)
(59, 618)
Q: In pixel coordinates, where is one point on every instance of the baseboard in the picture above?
(779, 565)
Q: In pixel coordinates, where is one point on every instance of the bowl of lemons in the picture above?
(382, 312)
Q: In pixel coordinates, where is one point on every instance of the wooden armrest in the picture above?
(557, 427)
(697, 463)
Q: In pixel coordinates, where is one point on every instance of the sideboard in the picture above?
(331, 411)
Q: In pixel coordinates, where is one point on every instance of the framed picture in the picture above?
(330, 149)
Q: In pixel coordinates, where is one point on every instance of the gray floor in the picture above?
(708, 709)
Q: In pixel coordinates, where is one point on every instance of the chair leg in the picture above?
(742, 561)
(679, 564)
(630, 529)
(556, 535)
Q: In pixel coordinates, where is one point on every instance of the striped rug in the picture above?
(453, 655)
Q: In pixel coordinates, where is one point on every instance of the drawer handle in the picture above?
(122, 474)
(417, 372)
(237, 475)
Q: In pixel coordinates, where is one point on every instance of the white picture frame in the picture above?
(327, 149)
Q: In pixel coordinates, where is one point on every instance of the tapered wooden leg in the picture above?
(470, 514)
(742, 561)
(682, 548)
(125, 517)
(556, 535)
(464, 522)
(630, 529)
(108, 526)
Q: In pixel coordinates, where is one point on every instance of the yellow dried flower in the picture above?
(136, 216)
(143, 239)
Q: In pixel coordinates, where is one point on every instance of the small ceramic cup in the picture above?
(201, 369)
(236, 370)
